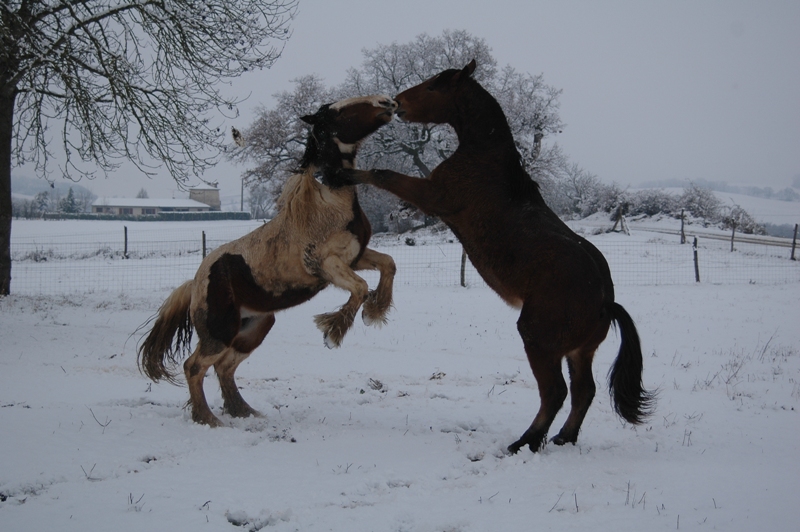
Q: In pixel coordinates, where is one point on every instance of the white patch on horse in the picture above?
(345, 148)
(377, 100)
(249, 317)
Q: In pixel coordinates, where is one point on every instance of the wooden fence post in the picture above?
(463, 267)
(794, 241)
(683, 234)
(125, 251)
(733, 233)
(204, 244)
(696, 264)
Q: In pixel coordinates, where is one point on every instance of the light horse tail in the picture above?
(630, 400)
(170, 336)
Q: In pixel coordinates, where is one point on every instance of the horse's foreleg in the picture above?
(334, 325)
(379, 301)
(423, 193)
(195, 369)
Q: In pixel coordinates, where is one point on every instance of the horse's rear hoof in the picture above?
(210, 420)
(534, 443)
(243, 411)
(515, 447)
(558, 439)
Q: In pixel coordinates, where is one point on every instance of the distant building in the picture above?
(207, 195)
(139, 206)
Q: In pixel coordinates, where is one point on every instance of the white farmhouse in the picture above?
(139, 206)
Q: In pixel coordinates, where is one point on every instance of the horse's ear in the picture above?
(317, 117)
(469, 69)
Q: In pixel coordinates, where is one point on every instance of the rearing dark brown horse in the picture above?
(560, 281)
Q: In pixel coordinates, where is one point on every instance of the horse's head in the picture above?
(433, 100)
(338, 128)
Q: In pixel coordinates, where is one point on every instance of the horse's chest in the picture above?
(341, 245)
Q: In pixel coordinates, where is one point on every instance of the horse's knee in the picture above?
(391, 268)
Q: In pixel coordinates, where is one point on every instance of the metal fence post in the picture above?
(696, 265)
(794, 241)
(125, 251)
(204, 244)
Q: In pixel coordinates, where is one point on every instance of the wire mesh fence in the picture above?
(158, 259)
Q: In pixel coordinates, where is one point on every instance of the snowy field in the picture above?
(403, 428)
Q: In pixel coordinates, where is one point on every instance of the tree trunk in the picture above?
(6, 131)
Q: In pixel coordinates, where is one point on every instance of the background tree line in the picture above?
(53, 201)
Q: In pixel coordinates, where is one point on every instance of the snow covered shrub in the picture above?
(651, 202)
(742, 220)
(602, 198)
(701, 203)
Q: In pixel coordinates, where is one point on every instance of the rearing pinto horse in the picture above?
(523, 251)
(318, 238)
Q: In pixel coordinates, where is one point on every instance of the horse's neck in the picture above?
(482, 127)
(480, 121)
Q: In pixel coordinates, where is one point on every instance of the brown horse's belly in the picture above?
(511, 297)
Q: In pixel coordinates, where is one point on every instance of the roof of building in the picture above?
(149, 203)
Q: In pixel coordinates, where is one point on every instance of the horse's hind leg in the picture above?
(379, 301)
(546, 367)
(582, 389)
(252, 332)
(334, 325)
(195, 369)
(233, 403)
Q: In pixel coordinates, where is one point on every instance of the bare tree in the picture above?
(261, 199)
(85, 199)
(130, 80)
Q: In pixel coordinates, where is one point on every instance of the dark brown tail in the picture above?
(631, 401)
(158, 354)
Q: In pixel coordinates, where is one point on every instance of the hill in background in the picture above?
(29, 187)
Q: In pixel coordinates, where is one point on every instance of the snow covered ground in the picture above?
(404, 427)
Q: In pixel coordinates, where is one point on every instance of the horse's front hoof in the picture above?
(373, 319)
(333, 326)
(330, 343)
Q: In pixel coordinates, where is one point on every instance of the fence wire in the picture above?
(159, 260)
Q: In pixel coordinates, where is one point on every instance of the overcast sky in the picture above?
(652, 90)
